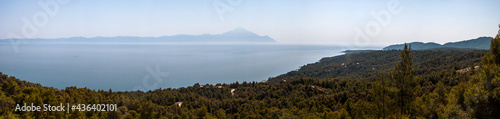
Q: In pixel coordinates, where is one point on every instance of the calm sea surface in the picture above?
(145, 66)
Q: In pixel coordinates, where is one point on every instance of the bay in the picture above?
(148, 66)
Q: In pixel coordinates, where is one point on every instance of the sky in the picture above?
(335, 22)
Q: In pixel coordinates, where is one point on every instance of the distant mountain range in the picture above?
(478, 43)
(237, 35)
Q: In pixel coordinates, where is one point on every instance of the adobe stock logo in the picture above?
(155, 74)
(39, 19)
(223, 7)
(382, 18)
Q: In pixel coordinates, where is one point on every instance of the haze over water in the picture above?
(124, 66)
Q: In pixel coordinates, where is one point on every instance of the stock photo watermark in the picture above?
(157, 75)
(39, 19)
(381, 19)
(223, 6)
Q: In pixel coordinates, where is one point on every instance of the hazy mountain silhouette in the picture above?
(478, 43)
(237, 35)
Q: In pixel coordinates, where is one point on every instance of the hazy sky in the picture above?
(287, 21)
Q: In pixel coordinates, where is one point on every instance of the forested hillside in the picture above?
(368, 65)
(478, 43)
(299, 98)
(438, 83)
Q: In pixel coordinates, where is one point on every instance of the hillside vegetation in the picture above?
(439, 83)
(369, 65)
(478, 43)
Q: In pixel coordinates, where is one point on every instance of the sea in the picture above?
(131, 66)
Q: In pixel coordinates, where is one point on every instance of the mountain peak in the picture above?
(242, 34)
(239, 31)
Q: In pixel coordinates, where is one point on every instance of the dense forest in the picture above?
(369, 65)
(478, 43)
(438, 83)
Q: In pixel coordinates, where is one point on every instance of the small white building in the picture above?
(178, 103)
(232, 91)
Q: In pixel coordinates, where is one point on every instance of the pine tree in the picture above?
(483, 92)
(380, 96)
(495, 48)
(491, 64)
(403, 80)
